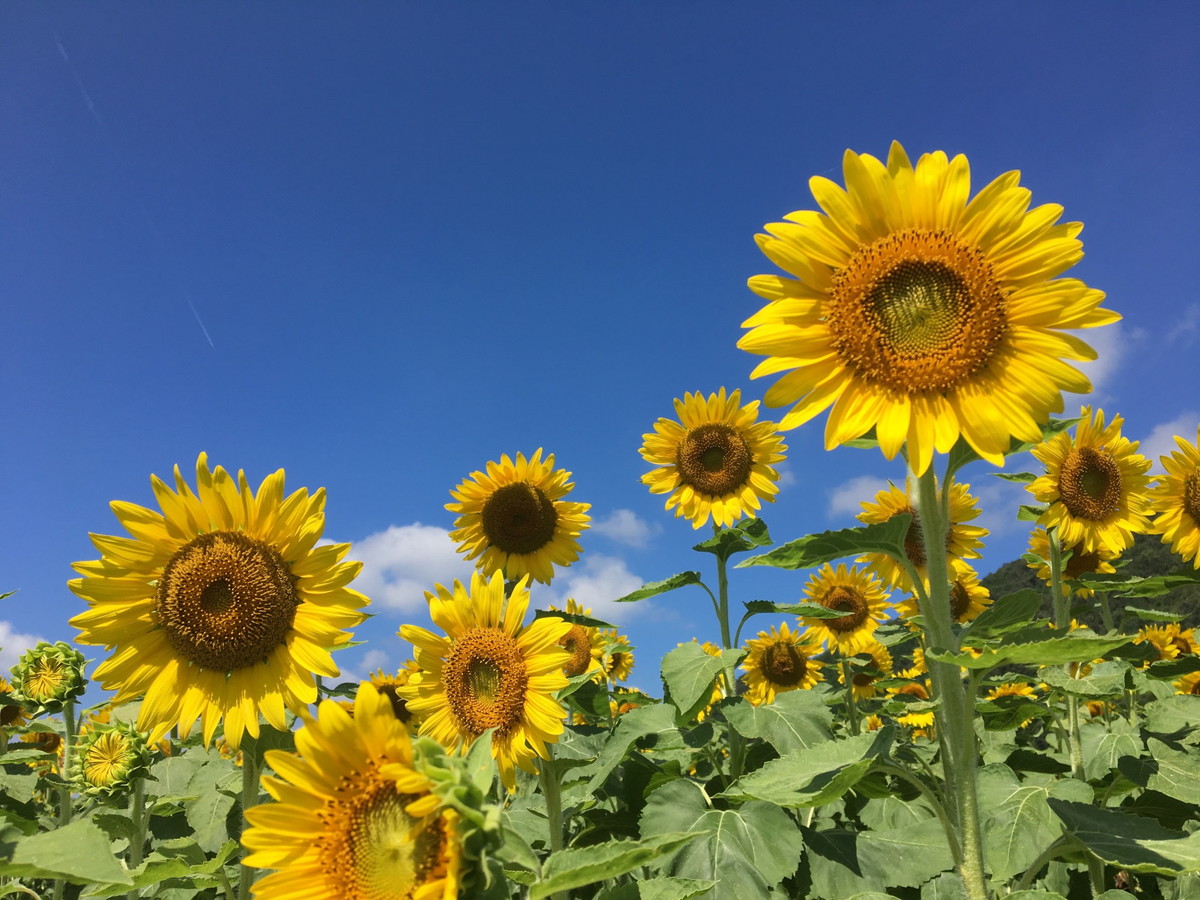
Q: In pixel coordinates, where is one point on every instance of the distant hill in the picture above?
(1147, 556)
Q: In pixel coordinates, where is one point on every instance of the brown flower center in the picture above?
(916, 310)
(226, 601)
(1081, 563)
(579, 645)
(1191, 497)
(714, 459)
(783, 664)
(1090, 484)
(519, 518)
(848, 600)
(485, 679)
(960, 600)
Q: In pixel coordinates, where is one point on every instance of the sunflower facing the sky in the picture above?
(780, 661)
(513, 518)
(489, 671)
(922, 314)
(852, 591)
(716, 460)
(962, 541)
(1176, 499)
(1095, 484)
(353, 819)
(220, 607)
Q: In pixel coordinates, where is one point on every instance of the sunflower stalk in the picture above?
(737, 747)
(851, 706)
(250, 790)
(550, 791)
(64, 792)
(1062, 622)
(137, 815)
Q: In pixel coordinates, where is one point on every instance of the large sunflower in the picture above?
(1095, 484)
(962, 541)
(780, 661)
(489, 671)
(222, 606)
(920, 314)
(1176, 499)
(353, 818)
(850, 591)
(716, 460)
(513, 518)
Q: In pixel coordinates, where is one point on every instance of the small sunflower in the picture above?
(919, 314)
(585, 643)
(962, 541)
(49, 675)
(220, 607)
(513, 518)
(389, 685)
(780, 661)
(1096, 485)
(920, 722)
(1188, 684)
(717, 460)
(353, 818)
(489, 671)
(1176, 500)
(1080, 562)
(863, 680)
(1011, 689)
(1169, 640)
(617, 662)
(108, 760)
(968, 598)
(854, 592)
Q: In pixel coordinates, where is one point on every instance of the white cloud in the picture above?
(1187, 326)
(846, 499)
(787, 477)
(371, 660)
(626, 527)
(13, 644)
(403, 562)
(1161, 441)
(1111, 343)
(596, 583)
(999, 502)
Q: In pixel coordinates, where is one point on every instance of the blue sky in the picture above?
(379, 244)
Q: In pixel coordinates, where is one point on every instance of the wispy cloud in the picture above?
(846, 499)
(626, 527)
(403, 562)
(596, 582)
(13, 644)
(1161, 440)
(1186, 327)
(1112, 344)
(999, 502)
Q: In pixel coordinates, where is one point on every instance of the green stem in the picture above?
(851, 706)
(737, 747)
(250, 790)
(64, 794)
(1095, 873)
(553, 798)
(1106, 611)
(1054, 850)
(1062, 622)
(137, 815)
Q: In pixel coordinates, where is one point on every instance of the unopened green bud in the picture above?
(47, 676)
(108, 759)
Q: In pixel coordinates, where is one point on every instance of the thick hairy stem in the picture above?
(1062, 622)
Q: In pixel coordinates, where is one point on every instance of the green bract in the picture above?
(47, 676)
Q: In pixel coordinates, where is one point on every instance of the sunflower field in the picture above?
(898, 733)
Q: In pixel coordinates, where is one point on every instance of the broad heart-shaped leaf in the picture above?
(795, 721)
(213, 786)
(579, 866)
(1172, 714)
(1048, 895)
(1054, 651)
(1009, 612)
(1168, 771)
(1130, 842)
(78, 852)
(745, 851)
(815, 775)
(170, 776)
(1019, 823)
(1104, 747)
(845, 863)
(635, 724)
(654, 588)
(689, 673)
(817, 549)
(1105, 680)
(745, 535)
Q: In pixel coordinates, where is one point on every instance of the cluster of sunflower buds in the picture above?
(47, 676)
(109, 759)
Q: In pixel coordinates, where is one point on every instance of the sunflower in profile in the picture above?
(585, 643)
(919, 314)
(878, 664)
(1080, 562)
(1012, 689)
(962, 541)
(717, 460)
(780, 661)
(968, 598)
(489, 671)
(389, 685)
(850, 591)
(1188, 684)
(220, 607)
(353, 818)
(1176, 500)
(513, 518)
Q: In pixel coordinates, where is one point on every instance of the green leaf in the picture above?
(1170, 669)
(813, 776)
(810, 610)
(654, 588)
(1019, 477)
(1172, 714)
(744, 851)
(1105, 747)
(672, 888)
(635, 724)
(1030, 513)
(169, 777)
(689, 674)
(211, 785)
(573, 618)
(1153, 615)
(1036, 895)
(817, 549)
(1105, 680)
(78, 852)
(579, 866)
(1137, 586)
(905, 857)
(1130, 842)
(795, 721)
(745, 535)
(1054, 651)
(1167, 771)
(1009, 612)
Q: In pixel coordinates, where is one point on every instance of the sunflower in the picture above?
(962, 541)
(1188, 684)
(489, 671)
(617, 661)
(512, 519)
(968, 598)
(11, 714)
(1176, 499)
(920, 722)
(1011, 689)
(222, 606)
(585, 643)
(109, 759)
(864, 677)
(716, 460)
(1096, 486)
(1170, 641)
(920, 314)
(1080, 561)
(780, 661)
(354, 819)
(389, 685)
(854, 592)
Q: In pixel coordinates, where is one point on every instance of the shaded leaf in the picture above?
(689, 673)
(1137, 844)
(1009, 612)
(633, 725)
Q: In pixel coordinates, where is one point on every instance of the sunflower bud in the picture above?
(108, 759)
(47, 676)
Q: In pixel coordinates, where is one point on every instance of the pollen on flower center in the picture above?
(519, 518)
(577, 643)
(916, 310)
(1191, 496)
(783, 664)
(485, 679)
(1090, 484)
(225, 601)
(714, 458)
(849, 601)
